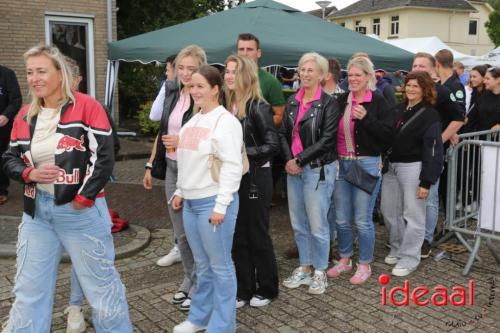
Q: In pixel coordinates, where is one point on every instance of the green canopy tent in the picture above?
(285, 34)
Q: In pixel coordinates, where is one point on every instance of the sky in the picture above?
(306, 5)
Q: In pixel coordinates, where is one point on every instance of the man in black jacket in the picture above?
(10, 103)
(448, 78)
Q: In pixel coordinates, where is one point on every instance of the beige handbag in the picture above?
(215, 164)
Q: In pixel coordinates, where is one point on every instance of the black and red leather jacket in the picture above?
(84, 153)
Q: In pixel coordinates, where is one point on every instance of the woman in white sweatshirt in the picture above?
(209, 207)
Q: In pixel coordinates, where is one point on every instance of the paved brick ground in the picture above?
(343, 308)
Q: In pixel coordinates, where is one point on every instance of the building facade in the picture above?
(78, 28)
(458, 23)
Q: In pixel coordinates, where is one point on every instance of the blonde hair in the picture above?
(75, 69)
(366, 65)
(318, 59)
(194, 51)
(247, 87)
(58, 59)
(360, 54)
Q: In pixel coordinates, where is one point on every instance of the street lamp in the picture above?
(323, 5)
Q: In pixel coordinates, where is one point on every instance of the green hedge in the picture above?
(146, 125)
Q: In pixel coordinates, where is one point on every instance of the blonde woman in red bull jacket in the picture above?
(61, 149)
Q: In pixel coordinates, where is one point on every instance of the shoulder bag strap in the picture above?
(418, 113)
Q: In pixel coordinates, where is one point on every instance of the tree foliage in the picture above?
(494, 3)
(139, 83)
(493, 27)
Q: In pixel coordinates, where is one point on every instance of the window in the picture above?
(359, 28)
(473, 27)
(376, 26)
(394, 25)
(75, 38)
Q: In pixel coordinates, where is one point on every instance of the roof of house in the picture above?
(364, 6)
(319, 13)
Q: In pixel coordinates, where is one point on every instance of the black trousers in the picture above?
(4, 180)
(253, 252)
(468, 175)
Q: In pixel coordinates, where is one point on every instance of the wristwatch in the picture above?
(148, 166)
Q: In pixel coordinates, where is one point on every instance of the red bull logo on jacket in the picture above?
(67, 143)
(68, 178)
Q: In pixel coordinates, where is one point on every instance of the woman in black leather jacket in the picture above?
(308, 137)
(176, 109)
(253, 253)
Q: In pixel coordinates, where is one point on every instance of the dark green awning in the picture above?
(285, 34)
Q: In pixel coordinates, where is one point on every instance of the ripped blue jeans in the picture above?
(86, 236)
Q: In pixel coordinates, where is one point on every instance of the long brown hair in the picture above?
(424, 80)
(247, 85)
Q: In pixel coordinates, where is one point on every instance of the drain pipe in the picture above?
(110, 20)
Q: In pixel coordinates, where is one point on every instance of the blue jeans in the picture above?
(213, 303)
(86, 236)
(332, 220)
(76, 296)
(309, 200)
(432, 212)
(355, 205)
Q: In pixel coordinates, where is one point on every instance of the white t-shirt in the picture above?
(44, 142)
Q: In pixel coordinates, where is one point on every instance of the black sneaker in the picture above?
(426, 250)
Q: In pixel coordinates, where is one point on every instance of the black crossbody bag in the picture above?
(360, 178)
(387, 154)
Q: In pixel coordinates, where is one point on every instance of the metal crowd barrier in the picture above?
(473, 195)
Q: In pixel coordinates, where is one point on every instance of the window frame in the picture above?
(86, 20)
(376, 26)
(394, 28)
(476, 21)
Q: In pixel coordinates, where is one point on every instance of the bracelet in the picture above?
(148, 166)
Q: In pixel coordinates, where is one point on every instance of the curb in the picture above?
(141, 240)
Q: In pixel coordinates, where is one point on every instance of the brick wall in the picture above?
(22, 25)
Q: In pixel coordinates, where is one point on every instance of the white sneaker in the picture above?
(391, 260)
(402, 271)
(319, 283)
(297, 279)
(240, 303)
(186, 304)
(179, 297)
(258, 301)
(171, 258)
(471, 207)
(188, 327)
(76, 321)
